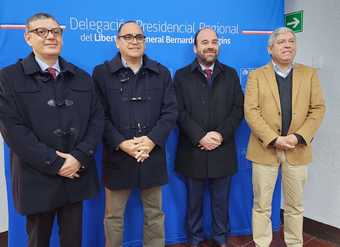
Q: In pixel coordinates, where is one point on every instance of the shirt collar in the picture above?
(116, 64)
(125, 65)
(205, 67)
(45, 66)
(280, 72)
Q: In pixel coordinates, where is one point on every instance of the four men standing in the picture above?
(52, 119)
(210, 103)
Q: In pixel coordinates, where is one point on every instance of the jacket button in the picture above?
(278, 130)
(279, 113)
(58, 132)
(90, 152)
(51, 102)
(68, 102)
(47, 162)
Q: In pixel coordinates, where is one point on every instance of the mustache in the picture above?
(209, 50)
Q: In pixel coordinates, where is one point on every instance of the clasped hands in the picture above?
(210, 141)
(138, 147)
(286, 142)
(70, 167)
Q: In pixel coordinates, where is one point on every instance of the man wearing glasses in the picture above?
(140, 110)
(52, 120)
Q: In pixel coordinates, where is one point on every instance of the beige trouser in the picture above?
(153, 217)
(293, 180)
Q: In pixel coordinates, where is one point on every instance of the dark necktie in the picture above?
(208, 73)
(53, 72)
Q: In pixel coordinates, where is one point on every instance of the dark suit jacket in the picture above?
(202, 109)
(39, 116)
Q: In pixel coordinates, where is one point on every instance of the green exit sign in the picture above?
(294, 21)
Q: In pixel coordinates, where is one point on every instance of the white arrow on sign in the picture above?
(294, 23)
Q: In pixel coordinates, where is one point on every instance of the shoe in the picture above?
(214, 243)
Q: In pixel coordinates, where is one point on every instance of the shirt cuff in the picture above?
(300, 139)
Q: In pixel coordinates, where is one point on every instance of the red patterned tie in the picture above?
(53, 72)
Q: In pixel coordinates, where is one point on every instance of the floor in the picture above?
(241, 241)
(246, 241)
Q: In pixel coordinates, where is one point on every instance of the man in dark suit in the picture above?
(52, 120)
(140, 111)
(210, 103)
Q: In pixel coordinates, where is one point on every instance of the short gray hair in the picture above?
(39, 16)
(127, 22)
(277, 32)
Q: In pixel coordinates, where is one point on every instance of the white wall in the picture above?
(319, 45)
(3, 195)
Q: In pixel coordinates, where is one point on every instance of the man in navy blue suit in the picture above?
(52, 120)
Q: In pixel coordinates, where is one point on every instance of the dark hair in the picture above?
(40, 16)
(127, 22)
(198, 32)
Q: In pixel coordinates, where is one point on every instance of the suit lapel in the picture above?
(271, 80)
(296, 83)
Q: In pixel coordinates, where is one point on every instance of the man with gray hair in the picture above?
(140, 111)
(284, 106)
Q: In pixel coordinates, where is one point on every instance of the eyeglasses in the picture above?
(140, 38)
(43, 32)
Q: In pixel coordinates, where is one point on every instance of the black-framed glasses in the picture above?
(43, 32)
(140, 38)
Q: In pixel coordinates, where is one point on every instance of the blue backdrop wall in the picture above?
(90, 28)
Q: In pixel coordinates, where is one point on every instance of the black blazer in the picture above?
(202, 109)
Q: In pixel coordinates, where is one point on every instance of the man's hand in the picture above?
(286, 142)
(210, 141)
(129, 146)
(216, 136)
(70, 167)
(292, 140)
(144, 146)
(138, 147)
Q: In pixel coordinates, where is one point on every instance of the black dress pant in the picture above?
(69, 218)
(219, 194)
